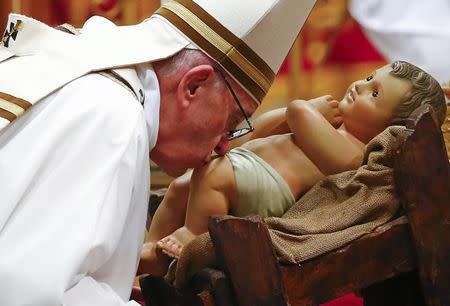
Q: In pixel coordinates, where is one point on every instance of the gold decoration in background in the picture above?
(446, 130)
(122, 12)
(113, 11)
(137, 10)
(76, 12)
(295, 70)
(313, 46)
(16, 6)
(327, 14)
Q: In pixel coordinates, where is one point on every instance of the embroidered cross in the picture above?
(12, 33)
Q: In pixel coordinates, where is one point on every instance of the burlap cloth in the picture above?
(334, 212)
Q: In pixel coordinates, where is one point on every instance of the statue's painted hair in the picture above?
(425, 90)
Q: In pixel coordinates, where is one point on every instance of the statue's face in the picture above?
(369, 104)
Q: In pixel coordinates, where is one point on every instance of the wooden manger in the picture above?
(404, 262)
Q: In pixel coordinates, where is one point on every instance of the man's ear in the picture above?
(192, 82)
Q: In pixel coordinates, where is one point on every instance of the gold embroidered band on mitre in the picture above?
(250, 70)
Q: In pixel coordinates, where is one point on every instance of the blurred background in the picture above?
(331, 51)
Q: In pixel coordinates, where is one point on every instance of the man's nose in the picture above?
(223, 146)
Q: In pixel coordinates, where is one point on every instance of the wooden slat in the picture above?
(422, 172)
(245, 250)
(365, 261)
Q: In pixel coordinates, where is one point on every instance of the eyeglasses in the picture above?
(233, 134)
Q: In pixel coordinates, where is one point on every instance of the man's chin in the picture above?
(174, 171)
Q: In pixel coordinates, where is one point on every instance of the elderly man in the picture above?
(81, 114)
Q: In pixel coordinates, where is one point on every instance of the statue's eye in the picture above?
(375, 93)
(369, 78)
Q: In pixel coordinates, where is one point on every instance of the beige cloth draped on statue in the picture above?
(334, 212)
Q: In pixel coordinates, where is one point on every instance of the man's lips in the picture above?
(222, 147)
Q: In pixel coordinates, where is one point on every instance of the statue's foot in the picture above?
(173, 244)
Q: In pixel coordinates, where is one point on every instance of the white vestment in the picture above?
(74, 186)
(412, 30)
